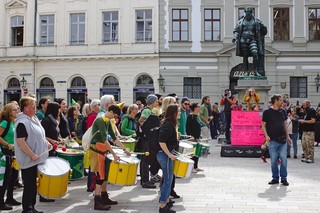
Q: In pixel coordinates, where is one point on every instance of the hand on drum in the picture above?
(116, 158)
(127, 152)
(172, 157)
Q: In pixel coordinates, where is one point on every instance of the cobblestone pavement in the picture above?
(226, 185)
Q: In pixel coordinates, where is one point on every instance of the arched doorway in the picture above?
(77, 91)
(111, 87)
(46, 89)
(143, 87)
(13, 91)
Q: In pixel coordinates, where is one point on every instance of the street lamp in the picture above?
(23, 83)
(161, 83)
(317, 80)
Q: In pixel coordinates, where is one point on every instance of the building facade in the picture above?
(80, 48)
(198, 58)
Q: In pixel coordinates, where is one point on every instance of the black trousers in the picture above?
(7, 178)
(29, 178)
(228, 125)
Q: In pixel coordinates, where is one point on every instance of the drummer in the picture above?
(31, 148)
(98, 149)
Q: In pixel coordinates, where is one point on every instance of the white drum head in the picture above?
(185, 145)
(54, 166)
(125, 158)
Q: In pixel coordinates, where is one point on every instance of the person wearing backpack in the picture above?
(7, 119)
(168, 142)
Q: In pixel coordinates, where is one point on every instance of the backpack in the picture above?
(81, 128)
(153, 138)
(87, 137)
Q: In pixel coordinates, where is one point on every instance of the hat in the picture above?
(151, 99)
(94, 102)
(73, 102)
(184, 99)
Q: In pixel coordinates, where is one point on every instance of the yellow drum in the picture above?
(52, 177)
(123, 173)
(182, 167)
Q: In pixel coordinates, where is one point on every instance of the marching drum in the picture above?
(185, 148)
(128, 142)
(205, 150)
(182, 167)
(122, 173)
(52, 180)
(75, 159)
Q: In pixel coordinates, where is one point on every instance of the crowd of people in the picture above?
(156, 122)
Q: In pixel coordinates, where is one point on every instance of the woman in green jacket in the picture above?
(128, 123)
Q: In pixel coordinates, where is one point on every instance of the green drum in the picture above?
(129, 143)
(198, 147)
(205, 150)
(75, 159)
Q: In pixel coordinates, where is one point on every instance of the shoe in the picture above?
(98, 205)
(278, 161)
(12, 202)
(285, 182)
(199, 170)
(304, 160)
(5, 207)
(42, 199)
(170, 204)
(156, 178)
(174, 195)
(264, 159)
(273, 181)
(148, 185)
(166, 210)
(288, 156)
(309, 161)
(18, 185)
(194, 171)
(295, 157)
(36, 211)
(106, 200)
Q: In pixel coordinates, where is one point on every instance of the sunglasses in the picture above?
(187, 104)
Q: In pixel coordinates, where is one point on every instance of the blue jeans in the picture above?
(167, 171)
(294, 138)
(276, 151)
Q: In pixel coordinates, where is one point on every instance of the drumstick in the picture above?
(141, 153)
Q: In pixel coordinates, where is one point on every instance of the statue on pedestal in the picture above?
(249, 35)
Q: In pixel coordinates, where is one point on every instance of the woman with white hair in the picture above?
(128, 123)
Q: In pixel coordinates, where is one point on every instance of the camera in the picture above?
(225, 95)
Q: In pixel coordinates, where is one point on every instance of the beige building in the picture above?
(78, 48)
(74, 48)
(198, 58)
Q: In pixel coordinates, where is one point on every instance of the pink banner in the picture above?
(246, 128)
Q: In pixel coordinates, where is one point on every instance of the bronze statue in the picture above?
(249, 35)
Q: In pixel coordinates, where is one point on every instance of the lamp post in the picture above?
(317, 81)
(161, 83)
(24, 85)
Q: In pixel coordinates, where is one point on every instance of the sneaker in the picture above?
(309, 161)
(156, 178)
(304, 160)
(285, 182)
(273, 181)
(288, 156)
(174, 195)
(264, 159)
(166, 210)
(199, 170)
(194, 171)
(42, 199)
(148, 185)
(4, 206)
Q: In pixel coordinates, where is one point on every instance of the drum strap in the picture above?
(97, 151)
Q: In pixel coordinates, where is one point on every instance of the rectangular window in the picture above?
(110, 27)
(180, 25)
(192, 87)
(17, 30)
(47, 30)
(281, 24)
(212, 24)
(144, 25)
(77, 25)
(314, 24)
(298, 87)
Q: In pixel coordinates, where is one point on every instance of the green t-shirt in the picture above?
(104, 128)
(204, 112)
(146, 112)
(182, 122)
(9, 137)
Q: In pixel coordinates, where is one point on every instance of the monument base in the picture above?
(241, 151)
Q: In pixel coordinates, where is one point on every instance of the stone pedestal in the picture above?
(260, 84)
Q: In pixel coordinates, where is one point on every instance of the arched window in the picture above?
(46, 83)
(78, 82)
(144, 81)
(111, 81)
(14, 83)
